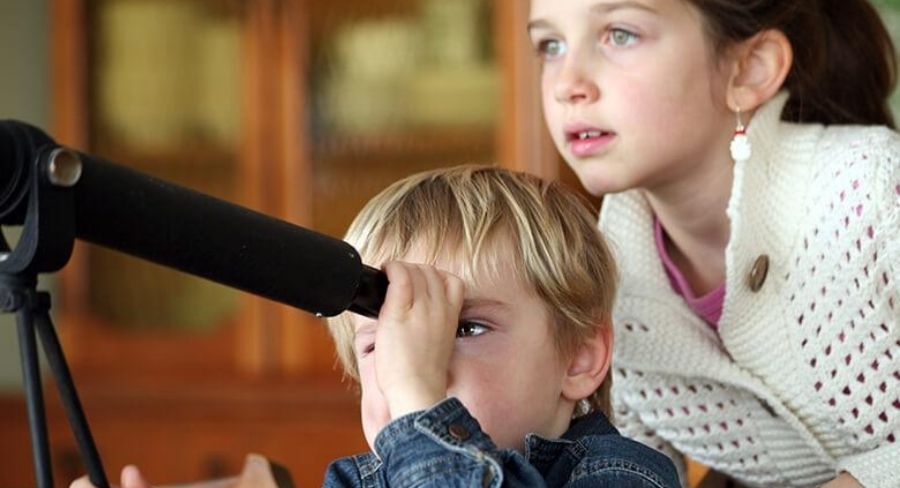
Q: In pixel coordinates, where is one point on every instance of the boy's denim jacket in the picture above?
(445, 447)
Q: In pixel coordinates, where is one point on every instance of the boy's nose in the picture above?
(574, 85)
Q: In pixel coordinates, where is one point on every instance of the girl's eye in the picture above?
(551, 48)
(622, 38)
(368, 349)
(470, 329)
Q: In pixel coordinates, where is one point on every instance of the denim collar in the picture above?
(545, 454)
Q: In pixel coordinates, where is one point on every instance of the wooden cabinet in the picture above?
(300, 109)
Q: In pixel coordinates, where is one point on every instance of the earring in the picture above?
(740, 145)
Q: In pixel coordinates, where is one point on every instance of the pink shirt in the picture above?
(708, 306)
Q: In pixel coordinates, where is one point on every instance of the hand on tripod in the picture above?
(258, 472)
(131, 478)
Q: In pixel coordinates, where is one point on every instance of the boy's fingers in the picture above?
(400, 289)
(419, 280)
(450, 289)
(455, 289)
(82, 482)
(132, 478)
(433, 282)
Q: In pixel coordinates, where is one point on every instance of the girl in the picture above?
(752, 188)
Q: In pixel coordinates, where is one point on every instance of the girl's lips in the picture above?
(587, 141)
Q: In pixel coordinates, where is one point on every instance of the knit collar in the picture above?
(766, 200)
(765, 209)
(762, 129)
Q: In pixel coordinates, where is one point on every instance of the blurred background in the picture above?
(301, 109)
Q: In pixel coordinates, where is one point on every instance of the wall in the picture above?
(24, 95)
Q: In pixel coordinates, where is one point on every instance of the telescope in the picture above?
(58, 195)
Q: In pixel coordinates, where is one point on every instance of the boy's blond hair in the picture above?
(482, 215)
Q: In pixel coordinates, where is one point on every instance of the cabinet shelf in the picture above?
(198, 155)
(404, 146)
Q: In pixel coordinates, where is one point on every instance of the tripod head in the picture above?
(35, 179)
(19, 144)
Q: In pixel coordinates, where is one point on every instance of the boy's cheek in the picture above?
(373, 408)
(371, 426)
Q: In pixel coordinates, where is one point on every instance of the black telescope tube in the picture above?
(122, 209)
(129, 211)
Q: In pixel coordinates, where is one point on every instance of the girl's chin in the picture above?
(598, 184)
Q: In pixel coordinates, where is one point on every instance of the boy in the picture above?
(494, 376)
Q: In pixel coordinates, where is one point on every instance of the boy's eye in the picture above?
(551, 48)
(622, 38)
(470, 329)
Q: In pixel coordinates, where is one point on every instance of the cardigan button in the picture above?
(758, 273)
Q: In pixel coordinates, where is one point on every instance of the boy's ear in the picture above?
(588, 365)
(759, 66)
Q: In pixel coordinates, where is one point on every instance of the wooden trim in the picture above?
(68, 98)
(68, 73)
(301, 344)
(257, 340)
(523, 142)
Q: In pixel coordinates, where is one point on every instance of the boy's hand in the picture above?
(258, 472)
(415, 336)
(131, 478)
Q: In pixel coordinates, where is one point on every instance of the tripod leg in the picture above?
(31, 376)
(54, 353)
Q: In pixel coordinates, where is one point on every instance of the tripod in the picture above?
(38, 198)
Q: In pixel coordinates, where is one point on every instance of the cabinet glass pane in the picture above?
(396, 87)
(165, 99)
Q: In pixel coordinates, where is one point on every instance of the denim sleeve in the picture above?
(442, 446)
(445, 446)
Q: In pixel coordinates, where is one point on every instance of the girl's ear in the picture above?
(588, 365)
(759, 67)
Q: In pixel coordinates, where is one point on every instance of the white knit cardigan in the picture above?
(802, 381)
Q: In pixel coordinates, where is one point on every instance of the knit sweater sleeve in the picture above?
(878, 417)
(630, 425)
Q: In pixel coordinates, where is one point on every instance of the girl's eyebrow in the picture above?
(606, 7)
(598, 8)
(539, 24)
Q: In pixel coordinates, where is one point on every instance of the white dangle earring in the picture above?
(740, 145)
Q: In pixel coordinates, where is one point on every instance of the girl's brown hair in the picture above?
(845, 65)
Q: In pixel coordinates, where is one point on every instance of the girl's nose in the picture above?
(575, 85)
